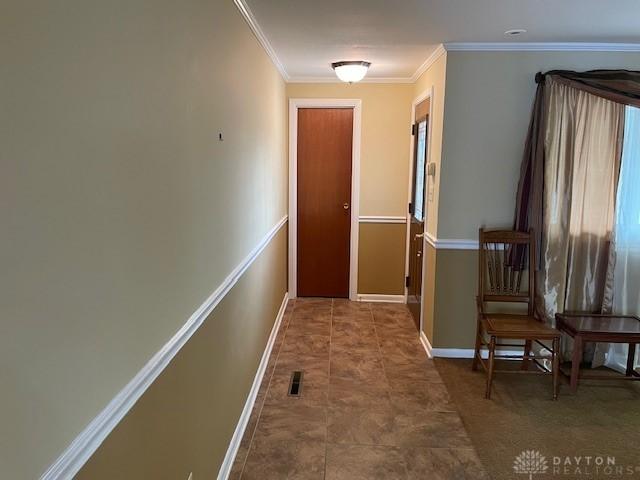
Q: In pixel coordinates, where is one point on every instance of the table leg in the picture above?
(576, 360)
(631, 358)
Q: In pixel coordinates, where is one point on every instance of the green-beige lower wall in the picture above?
(381, 258)
(183, 423)
(429, 299)
(450, 291)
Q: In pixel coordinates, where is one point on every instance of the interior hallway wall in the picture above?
(432, 81)
(381, 262)
(384, 175)
(122, 211)
(488, 102)
(184, 422)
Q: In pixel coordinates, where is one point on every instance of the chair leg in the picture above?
(476, 355)
(631, 359)
(492, 353)
(556, 366)
(527, 351)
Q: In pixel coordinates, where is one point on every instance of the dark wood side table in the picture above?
(587, 327)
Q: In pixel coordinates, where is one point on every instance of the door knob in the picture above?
(419, 235)
(345, 206)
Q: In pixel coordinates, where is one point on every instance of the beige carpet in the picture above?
(601, 420)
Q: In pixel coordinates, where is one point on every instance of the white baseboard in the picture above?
(84, 445)
(452, 352)
(376, 298)
(468, 353)
(425, 343)
(459, 352)
(232, 451)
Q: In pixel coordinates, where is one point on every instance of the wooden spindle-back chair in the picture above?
(506, 275)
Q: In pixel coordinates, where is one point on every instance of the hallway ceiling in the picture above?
(398, 36)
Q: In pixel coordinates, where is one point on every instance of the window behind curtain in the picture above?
(418, 200)
(626, 277)
(628, 204)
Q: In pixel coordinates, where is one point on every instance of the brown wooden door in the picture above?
(325, 137)
(418, 214)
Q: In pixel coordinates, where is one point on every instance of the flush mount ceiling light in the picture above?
(351, 71)
(515, 32)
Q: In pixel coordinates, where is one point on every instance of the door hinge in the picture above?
(414, 129)
(411, 208)
(407, 281)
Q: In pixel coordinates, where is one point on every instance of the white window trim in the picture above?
(294, 105)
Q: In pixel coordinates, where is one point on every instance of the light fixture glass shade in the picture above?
(352, 71)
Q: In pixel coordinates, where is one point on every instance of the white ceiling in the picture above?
(397, 36)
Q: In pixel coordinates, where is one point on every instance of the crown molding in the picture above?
(542, 47)
(486, 47)
(435, 55)
(262, 38)
(439, 51)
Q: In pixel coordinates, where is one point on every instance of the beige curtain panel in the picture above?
(583, 144)
(620, 86)
(568, 190)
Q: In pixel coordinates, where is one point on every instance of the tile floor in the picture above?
(372, 405)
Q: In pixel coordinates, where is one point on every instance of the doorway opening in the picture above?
(324, 179)
(418, 202)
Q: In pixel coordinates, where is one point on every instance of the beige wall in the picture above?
(386, 116)
(121, 210)
(487, 109)
(384, 175)
(184, 422)
(381, 258)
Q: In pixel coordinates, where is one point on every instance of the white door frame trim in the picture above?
(427, 94)
(294, 105)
